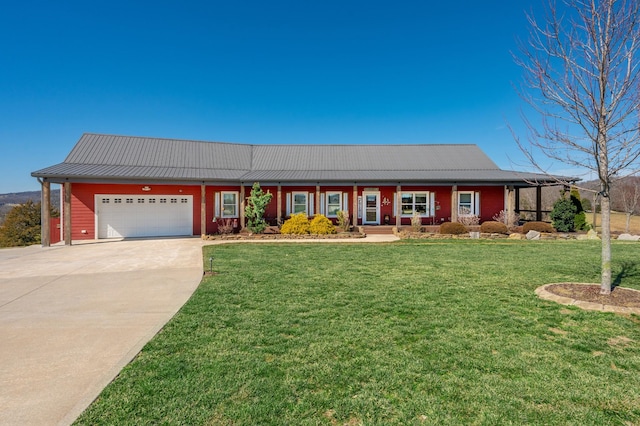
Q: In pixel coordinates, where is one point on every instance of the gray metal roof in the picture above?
(98, 157)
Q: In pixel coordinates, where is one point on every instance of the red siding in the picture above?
(83, 203)
(83, 198)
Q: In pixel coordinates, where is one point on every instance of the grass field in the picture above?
(618, 222)
(442, 333)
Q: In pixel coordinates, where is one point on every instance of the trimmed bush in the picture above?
(297, 224)
(493, 227)
(454, 228)
(563, 215)
(537, 226)
(321, 225)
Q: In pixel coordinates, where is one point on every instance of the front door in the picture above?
(371, 208)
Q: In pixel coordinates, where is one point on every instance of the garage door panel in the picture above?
(144, 216)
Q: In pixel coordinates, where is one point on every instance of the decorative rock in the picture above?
(592, 235)
(628, 237)
(533, 235)
(474, 234)
(516, 236)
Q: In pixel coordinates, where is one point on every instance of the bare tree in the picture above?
(581, 76)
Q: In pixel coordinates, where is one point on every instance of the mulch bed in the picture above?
(591, 293)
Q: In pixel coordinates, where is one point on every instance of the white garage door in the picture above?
(144, 215)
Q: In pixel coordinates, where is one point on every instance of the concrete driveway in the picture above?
(72, 317)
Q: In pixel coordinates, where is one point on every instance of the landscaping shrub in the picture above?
(580, 219)
(469, 220)
(297, 224)
(563, 215)
(416, 222)
(510, 219)
(455, 228)
(494, 227)
(321, 225)
(343, 220)
(537, 226)
(256, 206)
(225, 226)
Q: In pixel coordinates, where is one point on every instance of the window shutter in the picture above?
(311, 204)
(477, 203)
(288, 197)
(345, 202)
(359, 206)
(323, 198)
(216, 204)
(432, 204)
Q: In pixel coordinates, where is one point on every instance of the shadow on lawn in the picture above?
(629, 270)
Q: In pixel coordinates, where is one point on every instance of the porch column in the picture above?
(67, 213)
(354, 204)
(398, 211)
(538, 203)
(454, 203)
(203, 210)
(279, 206)
(45, 214)
(317, 203)
(511, 205)
(242, 204)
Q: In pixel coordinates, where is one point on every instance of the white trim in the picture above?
(216, 205)
(340, 202)
(236, 194)
(365, 194)
(472, 206)
(293, 202)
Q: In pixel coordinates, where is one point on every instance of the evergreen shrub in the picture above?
(563, 215)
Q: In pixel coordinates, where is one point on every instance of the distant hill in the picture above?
(7, 201)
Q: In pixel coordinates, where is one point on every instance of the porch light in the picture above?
(146, 188)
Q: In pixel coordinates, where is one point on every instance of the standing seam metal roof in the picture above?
(109, 157)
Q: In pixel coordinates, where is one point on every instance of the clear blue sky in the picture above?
(260, 72)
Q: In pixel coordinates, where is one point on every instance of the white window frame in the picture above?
(427, 204)
(294, 204)
(472, 206)
(235, 204)
(339, 204)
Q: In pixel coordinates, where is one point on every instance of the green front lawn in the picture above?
(445, 332)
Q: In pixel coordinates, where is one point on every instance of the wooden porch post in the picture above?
(354, 204)
(67, 213)
(517, 201)
(203, 210)
(242, 205)
(318, 207)
(279, 206)
(511, 205)
(45, 214)
(398, 211)
(538, 203)
(454, 203)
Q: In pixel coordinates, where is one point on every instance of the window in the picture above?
(184, 200)
(152, 200)
(334, 203)
(129, 200)
(467, 205)
(117, 200)
(140, 200)
(417, 202)
(299, 202)
(229, 204)
(105, 201)
(174, 201)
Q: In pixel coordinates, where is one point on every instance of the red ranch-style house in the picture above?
(122, 186)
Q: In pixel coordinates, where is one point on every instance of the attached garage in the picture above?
(126, 215)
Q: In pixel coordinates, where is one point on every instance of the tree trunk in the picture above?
(605, 208)
(627, 225)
